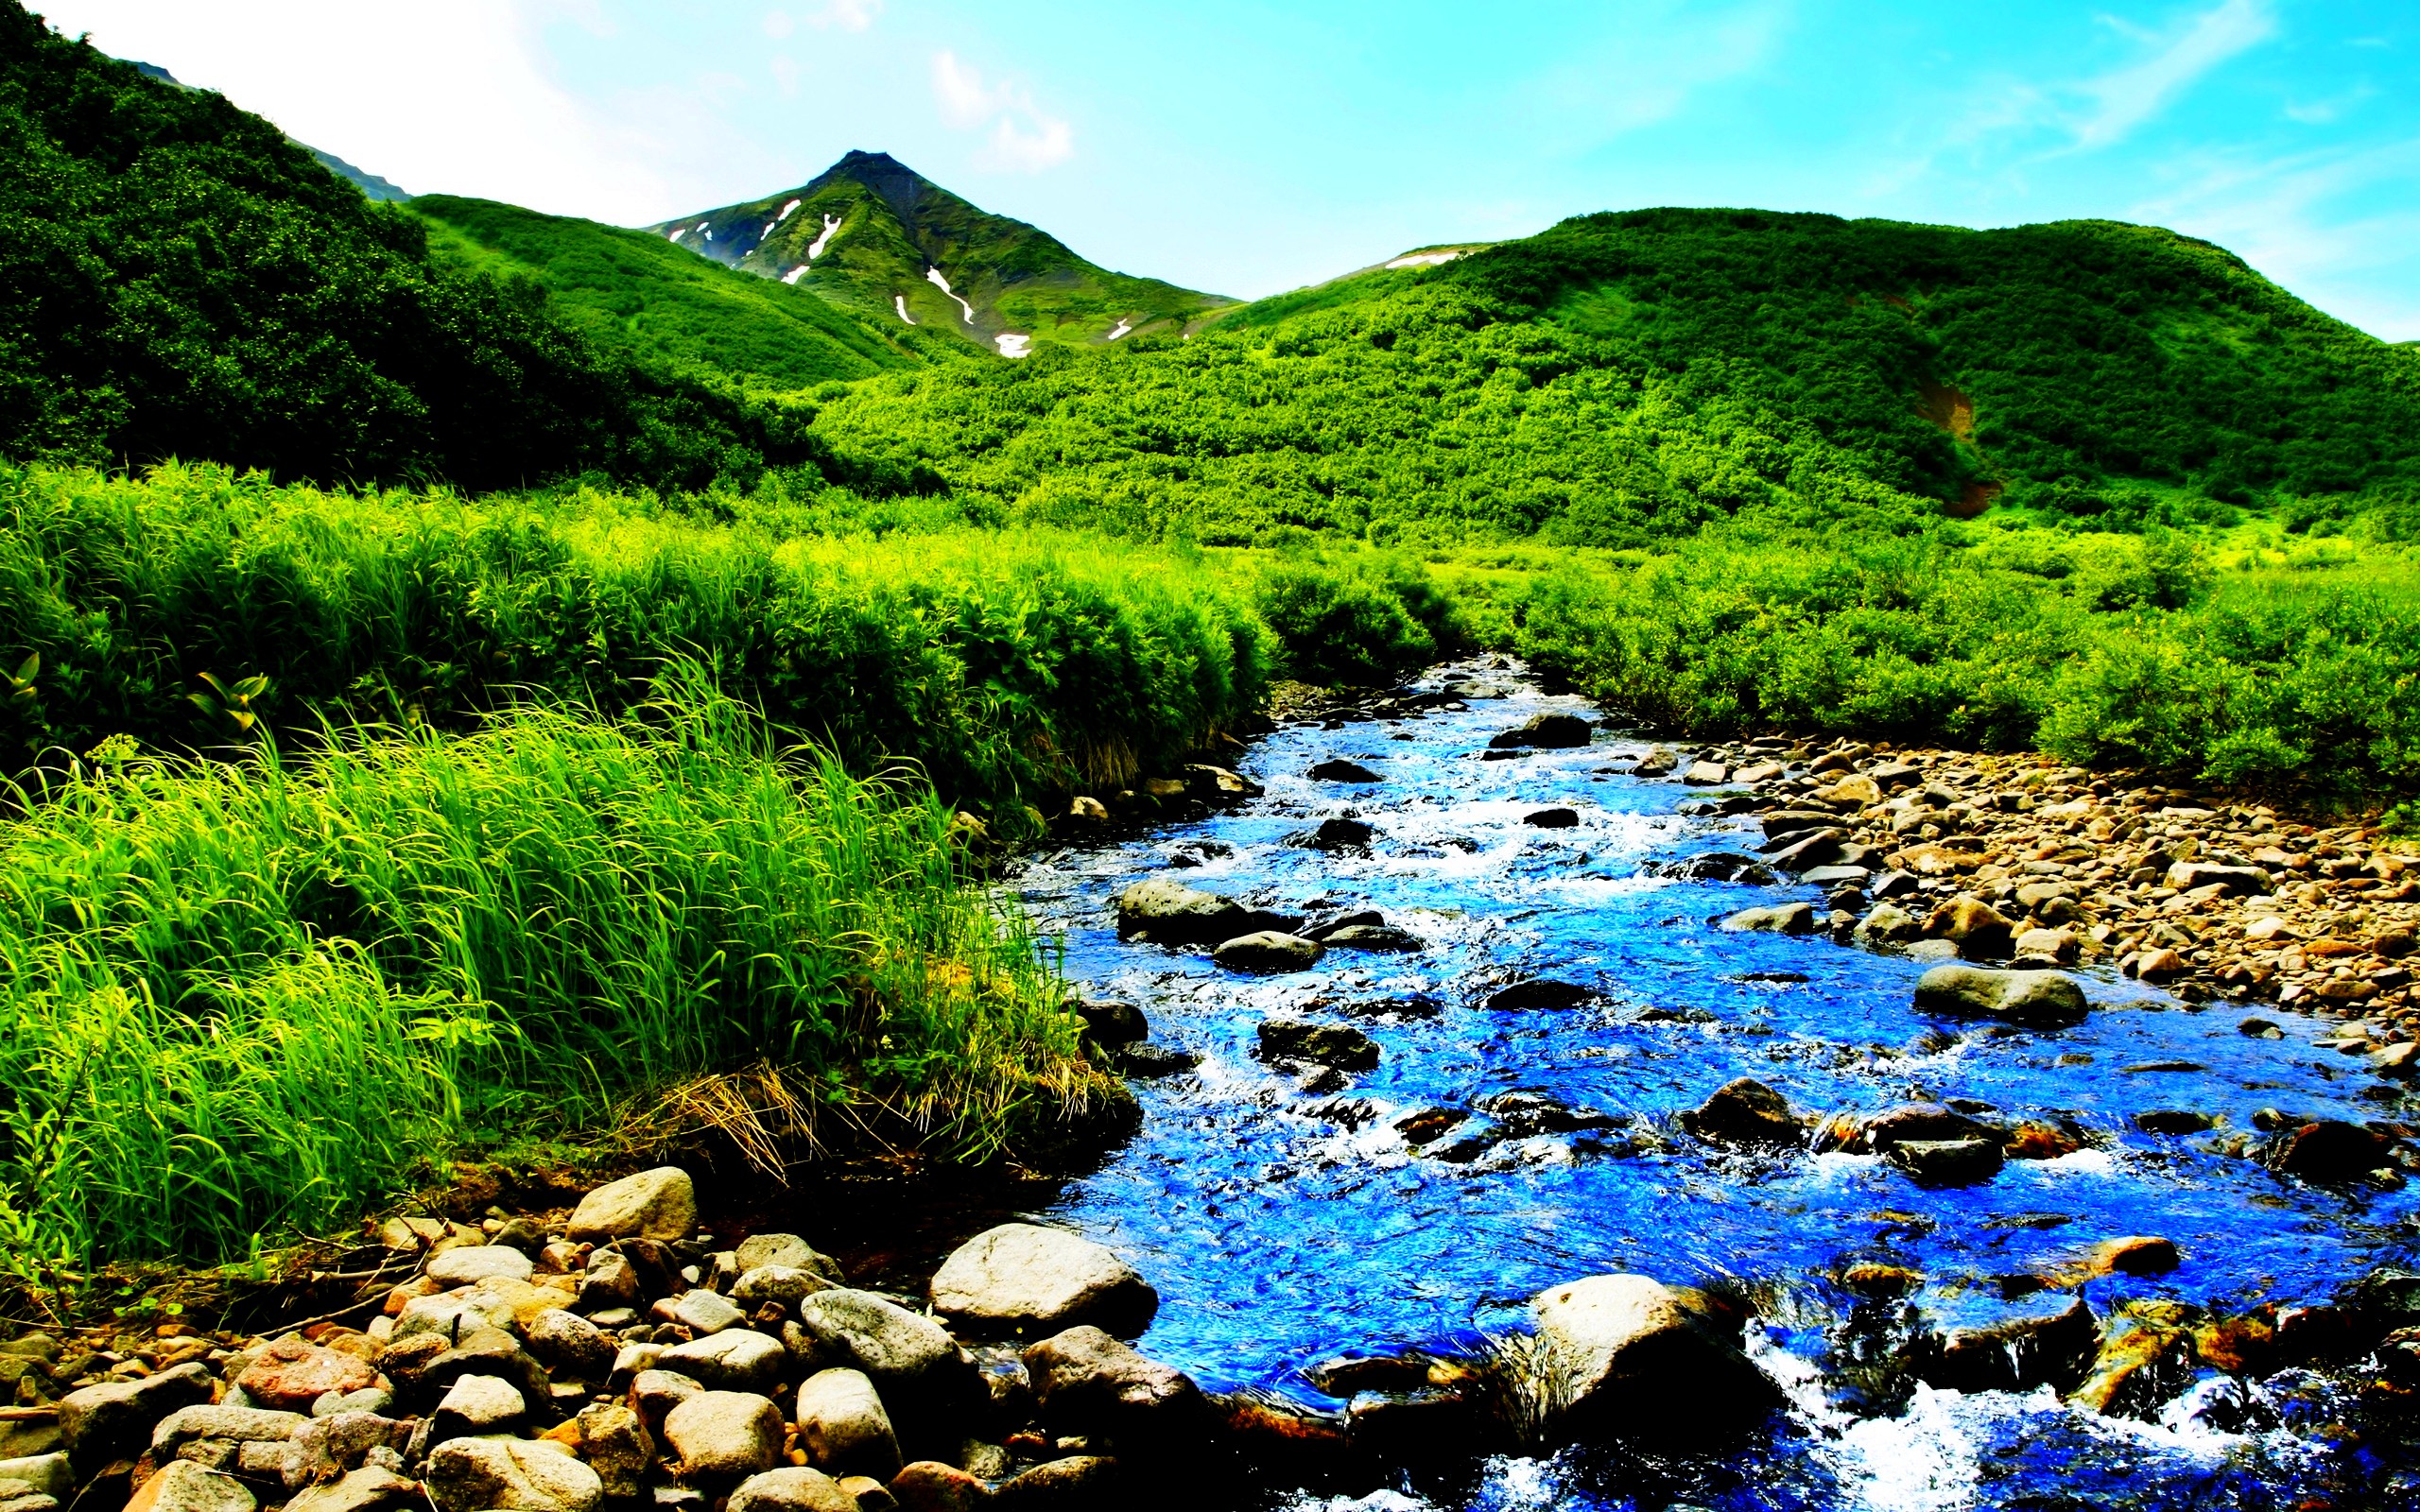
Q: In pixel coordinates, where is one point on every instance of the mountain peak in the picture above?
(871, 233)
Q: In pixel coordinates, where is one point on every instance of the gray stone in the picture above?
(326, 1448)
(1267, 953)
(792, 1489)
(1170, 913)
(877, 1336)
(785, 1286)
(488, 1352)
(1629, 1354)
(2185, 876)
(724, 1435)
(181, 1485)
(240, 1424)
(114, 1420)
(445, 1317)
(1375, 938)
(661, 1204)
(1931, 950)
(1320, 1044)
(1027, 1280)
(630, 1361)
(473, 1264)
(700, 1311)
(2032, 999)
(48, 1474)
(655, 1393)
(1836, 876)
(844, 1427)
(1784, 919)
(1549, 730)
(369, 1398)
(617, 1447)
(478, 1404)
(510, 1475)
(371, 1489)
(1947, 1162)
(1658, 762)
(610, 1281)
(2058, 945)
(735, 1359)
(785, 1249)
(1089, 1382)
(1887, 924)
(569, 1342)
(1338, 769)
(1704, 773)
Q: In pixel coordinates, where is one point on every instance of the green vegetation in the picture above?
(1625, 380)
(883, 226)
(1007, 664)
(248, 998)
(178, 280)
(631, 291)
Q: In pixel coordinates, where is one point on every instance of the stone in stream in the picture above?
(661, 1204)
(1170, 913)
(1549, 730)
(1706, 773)
(878, 1336)
(1022, 1279)
(1782, 918)
(796, 1489)
(1337, 769)
(1631, 1356)
(1377, 938)
(1540, 992)
(1745, 1112)
(526, 1475)
(1981, 932)
(1725, 866)
(1269, 952)
(1888, 925)
(1111, 1024)
(2032, 999)
(2331, 1150)
(2174, 1121)
(784, 1249)
(844, 1427)
(1149, 1062)
(1658, 762)
(724, 1436)
(1337, 836)
(2019, 1355)
(1874, 1133)
(1319, 1045)
(1959, 1162)
(1552, 819)
(181, 1485)
(1088, 1383)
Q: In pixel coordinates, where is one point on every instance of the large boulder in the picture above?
(877, 1336)
(661, 1205)
(1782, 918)
(783, 1286)
(724, 1435)
(930, 1485)
(1267, 953)
(510, 1475)
(114, 1419)
(1384, 940)
(1319, 1045)
(1887, 924)
(1981, 932)
(844, 1427)
(242, 1425)
(478, 1404)
(1549, 730)
(1746, 1111)
(1088, 1383)
(2038, 1000)
(1630, 1355)
(1024, 1281)
(1958, 1163)
(1170, 913)
(791, 1488)
(734, 1360)
(2329, 1150)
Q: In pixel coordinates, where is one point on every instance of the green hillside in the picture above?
(177, 279)
(870, 231)
(1627, 377)
(628, 289)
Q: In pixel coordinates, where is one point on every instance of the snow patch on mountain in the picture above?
(933, 276)
(792, 276)
(900, 301)
(1424, 259)
(1011, 344)
(787, 210)
(831, 224)
(1123, 326)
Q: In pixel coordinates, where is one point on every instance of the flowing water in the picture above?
(1284, 1226)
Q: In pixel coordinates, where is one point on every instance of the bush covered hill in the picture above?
(630, 291)
(871, 233)
(1627, 377)
(178, 279)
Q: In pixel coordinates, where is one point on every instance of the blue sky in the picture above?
(1247, 148)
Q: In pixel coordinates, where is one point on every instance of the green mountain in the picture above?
(1626, 376)
(370, 186)
(177, 279)
(873, 234)
(638, 292)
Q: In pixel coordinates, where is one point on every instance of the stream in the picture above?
(1284, 1224)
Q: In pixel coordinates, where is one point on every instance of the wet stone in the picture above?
(1320, 1044)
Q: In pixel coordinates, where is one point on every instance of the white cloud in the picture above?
(778, 25)
(2130, 96)
(845, 15)
(1023, 139)
(1658, 58)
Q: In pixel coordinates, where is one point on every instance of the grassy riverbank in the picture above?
(252, 997)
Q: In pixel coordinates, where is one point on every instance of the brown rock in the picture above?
(930, 1485)
(1935, 860)
(2331, 1150)
(1979, 930)
(1745, 1112)
(1089, 1382)
(2134, 1255)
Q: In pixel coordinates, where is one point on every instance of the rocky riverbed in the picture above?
(1535, 1116)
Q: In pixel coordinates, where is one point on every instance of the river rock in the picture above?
(44, 1474)
(1170, 913)
(1887, 925)
(1339, 836)
(2331, 1150)
(564, 1341)
(1630, 1355)
(1947, 1162)
(511, 1474)
(759, 1250)
(1111, 1024)
(1705, 773)
(292, 1373)
(1337, 769)
(1320, 1044)
(734, 1359)
(1745, 1112)
(326, 1448)
(661, 1205)
(478, 1404)
(930, 1485)
(724, 1436)
(2058, 946)
(1384, 940)
(1540, 993)
(783, 1286)
(487, 1353)
(181, 1485)
(371, 1489)
(1981, 932)
(114, 1419)
(793, 1488)
(1658, 762)
(702, 1312)
(1022, 1279)
(1089, 1382)
(1875, 1133)
(2032, 999)
(1075, 1481)
(2018, 1355)
(878, 1336)
(844, 1427)
(1269, 954)
(246, 1425)
(473, 1264)
(1782, 918)
(610, 1281)
(1549, 730)
(2185, 876)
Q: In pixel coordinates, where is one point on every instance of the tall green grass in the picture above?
(1008, 663)
(246, 997)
